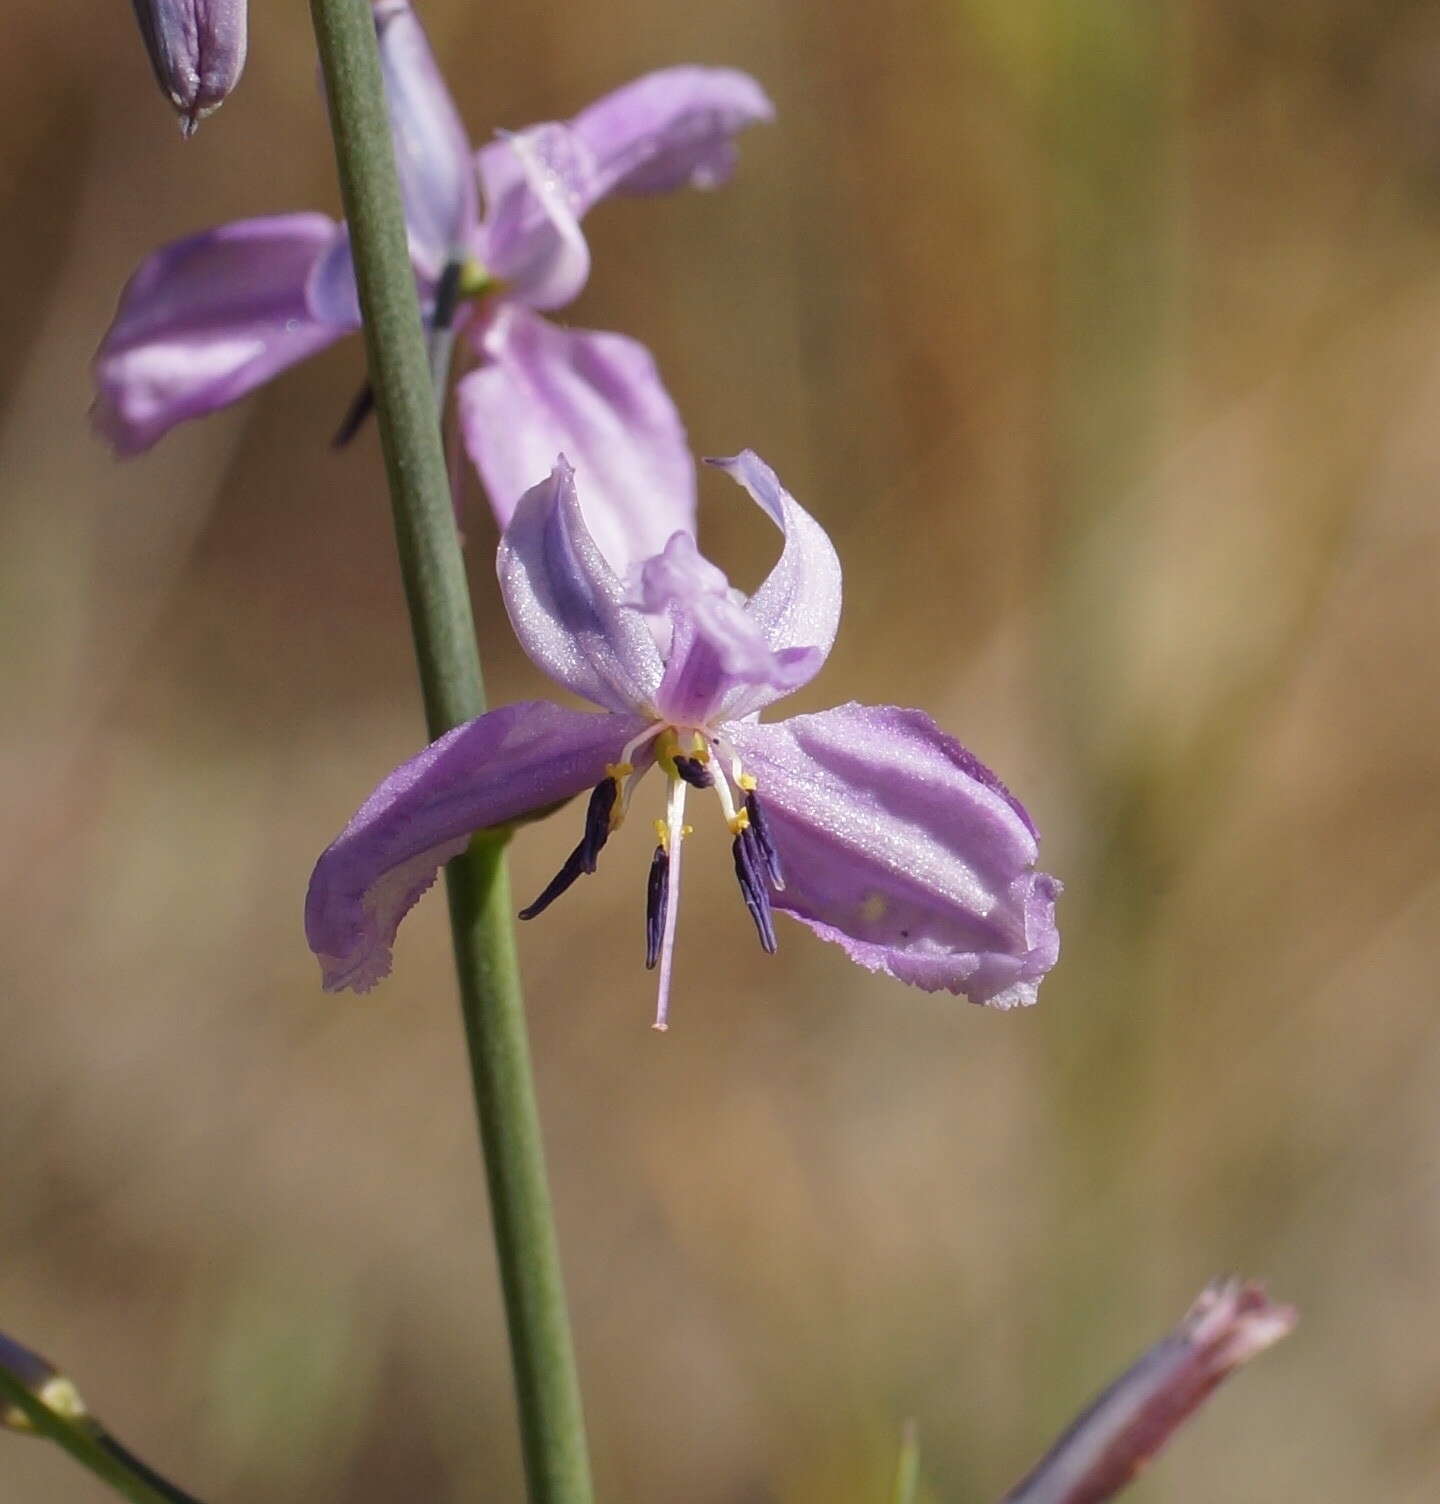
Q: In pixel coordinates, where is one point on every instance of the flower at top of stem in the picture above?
(197, 51)
(207, 319)
(867, 823)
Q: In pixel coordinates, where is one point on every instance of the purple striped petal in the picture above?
(506, 765)
(568, 607)
(668, 130)
(432, 149)
(662, 131)
(535, 188)
(432, 158)
(206, 320)
(598, 400)
(906, 851)
(797, 609)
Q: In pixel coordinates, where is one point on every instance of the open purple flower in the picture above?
(867, 823)
(207, 319)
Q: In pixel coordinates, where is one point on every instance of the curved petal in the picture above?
(669, 129)
(567, 605)
(798, 606)
(432, 150)
(715, 648)
(598, 400)
(204, 321)
(902, 848)
(536, 185)
(503, 766)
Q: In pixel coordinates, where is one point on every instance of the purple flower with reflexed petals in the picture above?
(867, 823)
(207, 319)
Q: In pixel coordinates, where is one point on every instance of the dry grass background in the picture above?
(1104, 335)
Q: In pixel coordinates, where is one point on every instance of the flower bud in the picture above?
(32, 1372)
(197, 49)
(1128, 1424)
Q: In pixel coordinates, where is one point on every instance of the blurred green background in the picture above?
(1104, 336)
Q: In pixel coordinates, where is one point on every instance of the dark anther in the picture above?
(585, 855)
(447, 300)
(354, 419)
(748, 861)
(597, 821)
(694, 772)
(764, 846)
(657, 898)
(447, 296)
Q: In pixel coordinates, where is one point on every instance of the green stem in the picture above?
(547, 1389)
(91, 1446)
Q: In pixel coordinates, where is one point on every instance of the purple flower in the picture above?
(197, 50)
(207, 319)
(1128, 1424)
(867, 823)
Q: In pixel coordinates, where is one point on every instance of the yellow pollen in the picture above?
(687, 830)
(474, 280)
(747, 781)
(740, 821)
(662, 835)
(699, 749)
(619, 770)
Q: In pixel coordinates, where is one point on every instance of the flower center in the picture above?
(691, 757)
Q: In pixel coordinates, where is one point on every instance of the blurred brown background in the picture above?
(1104, 335)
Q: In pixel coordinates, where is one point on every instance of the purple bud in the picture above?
(1129, 1423)
(31, 1372)
(197, 49)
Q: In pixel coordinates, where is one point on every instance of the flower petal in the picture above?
(714, 646)
(598, 400)
(204, 321)
(432, 150)
(536, 184)
(902, 848)
(502, 766)
(662, 131)
(567, 605)
(432, 158)
(798, 606)
(669, 129)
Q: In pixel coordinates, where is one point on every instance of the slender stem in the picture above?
(547, 1389)
(91, 1446)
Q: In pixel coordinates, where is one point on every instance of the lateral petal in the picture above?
(905, 850)
(669, 129)
(205, 320)
(505, 765)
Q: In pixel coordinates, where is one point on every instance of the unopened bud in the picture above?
(197, 49)
(32, 1372)
(1129, 1423)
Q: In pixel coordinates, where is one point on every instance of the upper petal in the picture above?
(205, 320)
(797, 609)
(537, 184)
(598, 400)
(502, 766)
(716, 653)
(901, 847)
(567, 605)
(432, 150)
(669, 129)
